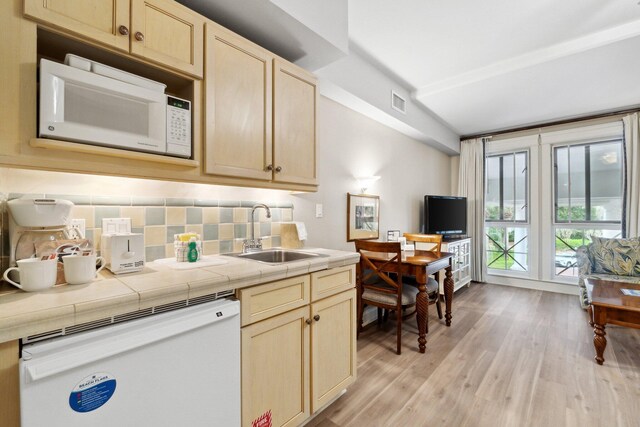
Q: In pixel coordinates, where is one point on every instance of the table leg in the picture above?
(590, 314)
(422, 312)
(600, 342)
(448, 294)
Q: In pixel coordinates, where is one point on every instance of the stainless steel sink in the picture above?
(277, 256)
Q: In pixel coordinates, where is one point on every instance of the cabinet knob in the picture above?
(308, 321)
(268, 168)
(316, 317)
(279, 169)
(139, 36)
(123, 30)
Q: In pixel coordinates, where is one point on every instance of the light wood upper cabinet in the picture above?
(98, 20)
(259, 125)
(260, 113)
(294, 124)
(161, 31)
(167, 33)
(238, 106)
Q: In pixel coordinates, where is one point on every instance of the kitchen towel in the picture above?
(302, 230)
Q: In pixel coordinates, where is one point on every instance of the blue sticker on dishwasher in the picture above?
(92, 392)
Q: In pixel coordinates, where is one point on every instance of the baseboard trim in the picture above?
(540, 285)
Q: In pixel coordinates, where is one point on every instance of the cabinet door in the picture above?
(465, 261)
(275, 369)
(333, 347)
(238, 107)
(10, 384)
(168, 33)
(98, 20)
(294, 124)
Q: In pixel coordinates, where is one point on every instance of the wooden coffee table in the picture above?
(610, 305)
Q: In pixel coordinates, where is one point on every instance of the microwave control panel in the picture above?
(178, 127)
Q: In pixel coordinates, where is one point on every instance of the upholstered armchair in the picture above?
(610, 259)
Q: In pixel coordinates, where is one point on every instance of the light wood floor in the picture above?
(512, 357)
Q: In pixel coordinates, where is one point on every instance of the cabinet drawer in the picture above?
(330, 282)
(264, 301)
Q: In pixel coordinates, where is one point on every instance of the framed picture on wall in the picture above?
(363, 217)
(393, 235)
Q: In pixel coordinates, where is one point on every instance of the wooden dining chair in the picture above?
(381, 285)
(433, 287)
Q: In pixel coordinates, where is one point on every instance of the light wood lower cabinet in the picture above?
(275, 369)
(295, 363)
(9, 384)
(333, 347)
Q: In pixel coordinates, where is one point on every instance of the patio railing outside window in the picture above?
(507, 212)
(507, 248)
(587, 188)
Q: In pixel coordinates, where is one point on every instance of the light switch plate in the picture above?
(318, 210)
(116, 225)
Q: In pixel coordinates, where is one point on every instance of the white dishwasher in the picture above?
(179, 368)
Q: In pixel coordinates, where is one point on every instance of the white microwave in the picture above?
(88, 102)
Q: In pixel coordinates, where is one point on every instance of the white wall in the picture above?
(353, 145)
(353, 81)
(350, 145)
(328, 18)
(455, 171)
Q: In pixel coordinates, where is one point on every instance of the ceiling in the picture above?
(465, 67)
(498, 64)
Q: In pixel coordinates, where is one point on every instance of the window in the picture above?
(506, 211)
(587, 198)
(546, 194)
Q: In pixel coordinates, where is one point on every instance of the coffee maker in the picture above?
(32, 221)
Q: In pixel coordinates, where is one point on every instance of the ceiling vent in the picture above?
(398, 103)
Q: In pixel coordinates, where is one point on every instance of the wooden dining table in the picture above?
(421, 264)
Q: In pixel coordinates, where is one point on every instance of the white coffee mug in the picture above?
(403, 242)
(80, 269)
(35, 274)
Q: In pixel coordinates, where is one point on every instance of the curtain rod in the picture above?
(547, 124)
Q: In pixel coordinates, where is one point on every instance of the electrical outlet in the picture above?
(318, 210)
(79, 224)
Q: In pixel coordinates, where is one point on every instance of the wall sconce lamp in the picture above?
(365, 182)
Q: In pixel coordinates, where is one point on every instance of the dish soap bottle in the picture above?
(192, 255)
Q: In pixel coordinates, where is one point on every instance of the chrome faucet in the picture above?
(253, 244)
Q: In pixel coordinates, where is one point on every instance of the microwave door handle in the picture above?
(58, 99)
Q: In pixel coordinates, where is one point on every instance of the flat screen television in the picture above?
(446, 215)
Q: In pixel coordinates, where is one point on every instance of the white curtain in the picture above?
(632, 175)
(471, 186)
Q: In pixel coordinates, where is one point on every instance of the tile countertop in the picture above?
(28, 313)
